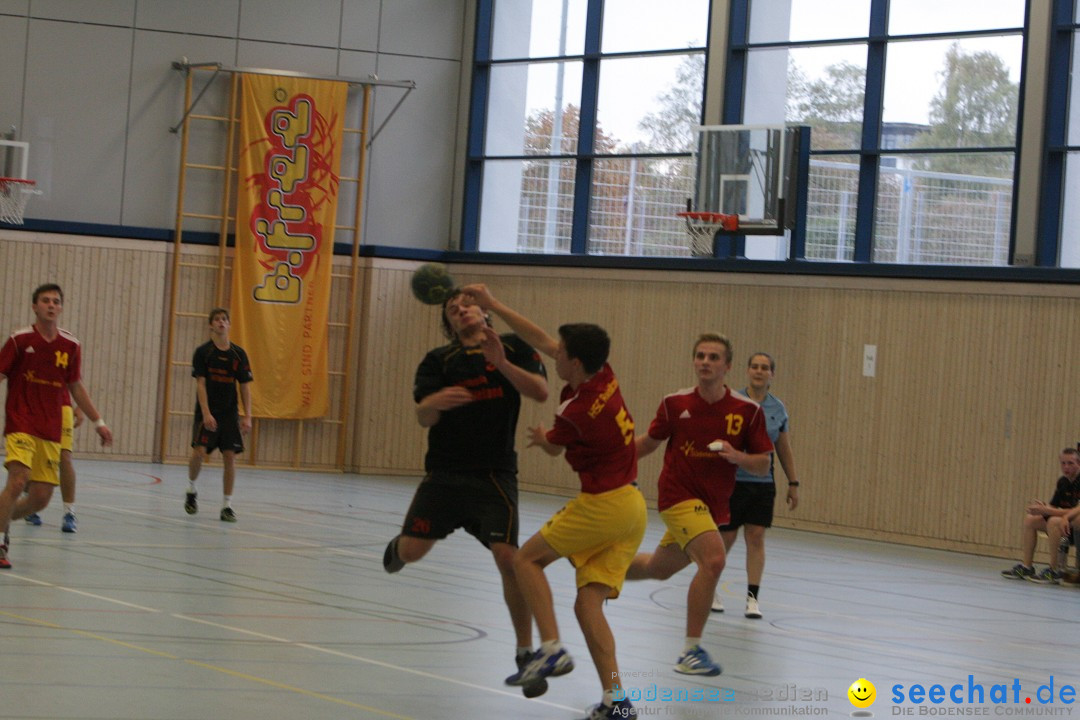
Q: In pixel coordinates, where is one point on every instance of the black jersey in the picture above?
(479, 435)
(222, 370)
(1067, 493)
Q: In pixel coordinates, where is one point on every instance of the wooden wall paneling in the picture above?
(959, 428)
(399, 332)
(111, 296)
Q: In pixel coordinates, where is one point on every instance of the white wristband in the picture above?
(100, 422)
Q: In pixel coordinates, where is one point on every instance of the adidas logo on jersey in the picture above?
(685, 415)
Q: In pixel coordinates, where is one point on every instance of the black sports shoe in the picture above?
(391, 561)
(1019, 571)
(190, 505)
(227, 514)
(535, 689)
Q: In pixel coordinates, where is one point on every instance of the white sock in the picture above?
(228, 502)
(191, 486)
(550, 647)
(691, 643)
(69, 508)
(609, 697)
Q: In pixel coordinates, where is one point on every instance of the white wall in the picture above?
(91, 87)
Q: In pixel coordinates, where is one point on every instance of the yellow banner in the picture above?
(290, 158)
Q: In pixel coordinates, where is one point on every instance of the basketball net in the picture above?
(14, 194)
(702, 228)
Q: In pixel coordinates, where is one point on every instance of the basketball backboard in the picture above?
(751, 171)
(14, 158)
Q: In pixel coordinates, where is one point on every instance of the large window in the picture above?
(913, 106)
(1059, 226)
(581, 127)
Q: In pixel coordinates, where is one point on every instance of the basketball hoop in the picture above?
(702, 228)
(14, 194)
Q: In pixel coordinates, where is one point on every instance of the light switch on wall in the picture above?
(869, 360)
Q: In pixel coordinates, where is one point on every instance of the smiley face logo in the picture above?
(862, 693)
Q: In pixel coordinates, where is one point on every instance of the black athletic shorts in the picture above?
(484, 503)
(752, 504)
(226, 437)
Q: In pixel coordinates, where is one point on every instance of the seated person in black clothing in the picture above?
(1050, 518)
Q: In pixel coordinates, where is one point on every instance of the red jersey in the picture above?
(692, 471)
(594, 425)
(38, 373)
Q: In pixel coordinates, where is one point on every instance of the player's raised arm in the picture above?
(529, 331)
(531, 385)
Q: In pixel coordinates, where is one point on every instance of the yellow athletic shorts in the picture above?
(41, 456)
(67, 429)
(685, 521)
(599, 534)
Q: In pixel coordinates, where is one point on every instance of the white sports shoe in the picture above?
(717, 603)
(753, 610)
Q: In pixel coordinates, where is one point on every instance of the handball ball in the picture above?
(432, 284)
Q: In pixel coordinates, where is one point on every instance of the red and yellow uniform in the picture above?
(38, 372)
(692, 473)
(600, 530)
(592, 422)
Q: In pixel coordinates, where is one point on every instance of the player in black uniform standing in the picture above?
(218, 365)
(469, 394)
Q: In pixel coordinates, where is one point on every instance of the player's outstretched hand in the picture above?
(538, 438)
(478, 294)
(492, 345)
(450, 397)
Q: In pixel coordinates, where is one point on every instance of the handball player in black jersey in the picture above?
(468, 393)
(219, 367)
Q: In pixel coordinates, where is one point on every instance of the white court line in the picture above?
(81, 592)
(369, 661)
(306, 646)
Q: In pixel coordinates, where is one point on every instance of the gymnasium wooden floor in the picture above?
(150, 613)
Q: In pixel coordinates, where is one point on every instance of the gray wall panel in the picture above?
(198, 17)
(355, 65)
(14, 7)
(360, 25)
(98, 101)
(76, 118)
(428, 28)
(412, 161)
(315, 60)
(12, 59)
(157, 103)
(312, 22)
(102, 12)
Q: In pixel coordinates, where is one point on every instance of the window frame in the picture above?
(870, 151)
(585, 157)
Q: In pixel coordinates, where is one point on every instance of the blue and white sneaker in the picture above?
(535, 689)
(545, 665)
(33, 519)
(68, 524)
(696, 661)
